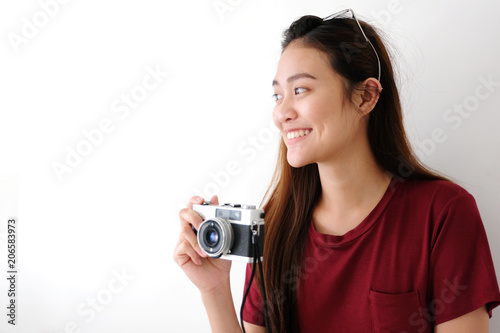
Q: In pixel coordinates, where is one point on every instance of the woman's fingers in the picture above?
(196, 200)
(188, 234)
(184, 253)
(189, 217)
(188, 248)
(214, 200)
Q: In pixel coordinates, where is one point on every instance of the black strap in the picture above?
(256, 261)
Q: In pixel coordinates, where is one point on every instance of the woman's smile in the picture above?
(297, 135)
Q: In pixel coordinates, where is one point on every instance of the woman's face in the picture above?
(317, 122)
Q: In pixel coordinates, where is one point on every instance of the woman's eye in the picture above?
(276, 97)
(299, 90)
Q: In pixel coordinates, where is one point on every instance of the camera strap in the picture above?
(256, 261)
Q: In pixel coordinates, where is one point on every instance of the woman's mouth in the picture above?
(297, 133)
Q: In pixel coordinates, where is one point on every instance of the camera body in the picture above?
(227, 230)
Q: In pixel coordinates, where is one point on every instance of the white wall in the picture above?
(114, 212)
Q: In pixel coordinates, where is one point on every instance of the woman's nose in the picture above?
(285, 111)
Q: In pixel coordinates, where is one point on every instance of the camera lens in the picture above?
(212, 237)
(215, 237)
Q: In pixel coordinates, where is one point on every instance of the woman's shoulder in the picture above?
(443, 204)
(439, 192)
(442, 187)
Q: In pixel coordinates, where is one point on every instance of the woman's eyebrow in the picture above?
(295, 77)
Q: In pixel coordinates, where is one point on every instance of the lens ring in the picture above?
(206, 237)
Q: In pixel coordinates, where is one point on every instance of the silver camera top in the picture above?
(235, 213)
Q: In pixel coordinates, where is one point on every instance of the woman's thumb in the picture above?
(214, 200)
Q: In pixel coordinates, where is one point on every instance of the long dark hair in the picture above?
(294, 192)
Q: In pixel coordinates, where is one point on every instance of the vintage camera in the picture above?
(227, 230)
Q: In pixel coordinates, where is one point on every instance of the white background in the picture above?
(116, 211)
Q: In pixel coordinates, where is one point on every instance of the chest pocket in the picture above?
(397, 313)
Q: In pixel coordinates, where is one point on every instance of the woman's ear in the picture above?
(370, 92)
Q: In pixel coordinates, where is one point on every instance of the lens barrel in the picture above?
(215, 237)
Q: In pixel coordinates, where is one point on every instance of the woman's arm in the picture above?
(473, 322)
(221, 313)
(220, 310)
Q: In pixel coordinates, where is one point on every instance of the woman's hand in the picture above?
(206, 273)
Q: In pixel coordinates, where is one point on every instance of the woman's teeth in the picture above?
(296, 134)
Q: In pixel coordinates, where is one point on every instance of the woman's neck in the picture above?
(350, 191)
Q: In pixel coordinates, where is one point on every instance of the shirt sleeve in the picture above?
(462, 275)
(253, 312)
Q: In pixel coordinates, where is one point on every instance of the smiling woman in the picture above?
(360, 236)
(349, 187)
(316, 98)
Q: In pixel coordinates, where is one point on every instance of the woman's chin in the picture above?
(297, 162)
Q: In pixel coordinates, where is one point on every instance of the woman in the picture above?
(360, 237)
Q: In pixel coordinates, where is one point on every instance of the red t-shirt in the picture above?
(420, 258)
